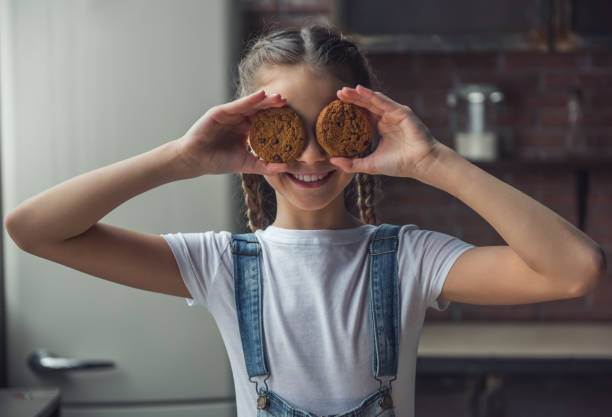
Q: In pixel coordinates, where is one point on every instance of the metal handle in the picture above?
(42, 360)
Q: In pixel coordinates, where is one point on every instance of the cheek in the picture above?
(272, 180)
(347, 178)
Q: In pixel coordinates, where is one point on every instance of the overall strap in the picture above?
(247, 290)
(384, 300)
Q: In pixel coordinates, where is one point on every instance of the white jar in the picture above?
(477, 146)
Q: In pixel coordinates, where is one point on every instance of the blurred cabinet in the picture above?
(449, 25)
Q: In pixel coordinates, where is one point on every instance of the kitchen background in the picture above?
(85, 84)
(555, 133)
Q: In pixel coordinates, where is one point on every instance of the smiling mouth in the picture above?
(310, 184)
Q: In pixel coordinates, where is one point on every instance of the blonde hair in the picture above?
(323, 48)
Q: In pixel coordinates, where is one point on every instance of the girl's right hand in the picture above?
(216, 143)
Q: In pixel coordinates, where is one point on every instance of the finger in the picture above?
(378, 98)
(374, 118)
(352, 165)
(261, 167)
(244, 103)
(274, 168)
(273, 100)
(243, 127)
(352, 96)
(356, 99)
(237, 110)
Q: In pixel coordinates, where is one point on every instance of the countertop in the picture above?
(518, 348)
(29, 402)
(545, 340)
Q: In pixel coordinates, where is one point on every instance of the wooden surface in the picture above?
(546, 340)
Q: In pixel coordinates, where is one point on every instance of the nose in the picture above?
(313, 152)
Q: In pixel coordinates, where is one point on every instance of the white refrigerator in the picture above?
(86, 83)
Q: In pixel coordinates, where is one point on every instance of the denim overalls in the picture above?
(384, 318)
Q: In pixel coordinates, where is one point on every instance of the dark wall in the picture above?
(535, 124)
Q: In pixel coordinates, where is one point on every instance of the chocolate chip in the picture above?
(276, 157)
(287, 148)
(262, 140)
(275, 141)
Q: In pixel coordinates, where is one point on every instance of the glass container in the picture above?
(473, 110)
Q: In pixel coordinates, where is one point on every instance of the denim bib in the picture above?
(384, 319)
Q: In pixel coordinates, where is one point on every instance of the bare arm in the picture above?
(545, 252)
(546, 257)
(62, 223)
(73, 206)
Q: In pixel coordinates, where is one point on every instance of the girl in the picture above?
(320, 310)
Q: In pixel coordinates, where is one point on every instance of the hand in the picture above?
(216, 143)
(406, 146)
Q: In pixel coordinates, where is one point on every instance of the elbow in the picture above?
(592, 275)
(12, 226)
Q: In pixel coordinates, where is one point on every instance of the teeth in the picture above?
(309, 178)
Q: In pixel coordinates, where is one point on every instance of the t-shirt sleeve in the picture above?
(433, 254)
(198, 256)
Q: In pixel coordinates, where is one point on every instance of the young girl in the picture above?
(320, 310)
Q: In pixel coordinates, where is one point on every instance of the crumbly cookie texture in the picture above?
(344, 129)
(277, 134)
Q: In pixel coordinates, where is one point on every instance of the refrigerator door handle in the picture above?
(43, 361)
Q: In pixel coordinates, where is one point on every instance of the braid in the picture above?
(323, 47)
(253, 200)
(368, 192)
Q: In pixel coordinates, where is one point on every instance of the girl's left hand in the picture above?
(405, 147)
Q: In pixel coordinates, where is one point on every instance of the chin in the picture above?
(311, 205)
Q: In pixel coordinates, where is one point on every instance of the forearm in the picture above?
(546, 242)
(73, 206)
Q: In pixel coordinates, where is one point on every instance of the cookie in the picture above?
(344, 129)
(277, 134)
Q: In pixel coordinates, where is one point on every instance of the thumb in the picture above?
(351, 165)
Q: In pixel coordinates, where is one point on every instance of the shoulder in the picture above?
(422, 244)
(210, 241)
(413, 234)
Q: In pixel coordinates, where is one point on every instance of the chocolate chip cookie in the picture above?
(344, 129)
(277, 134)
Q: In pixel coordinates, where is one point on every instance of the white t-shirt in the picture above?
(315, 309)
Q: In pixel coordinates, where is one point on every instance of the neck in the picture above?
(333, 216)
